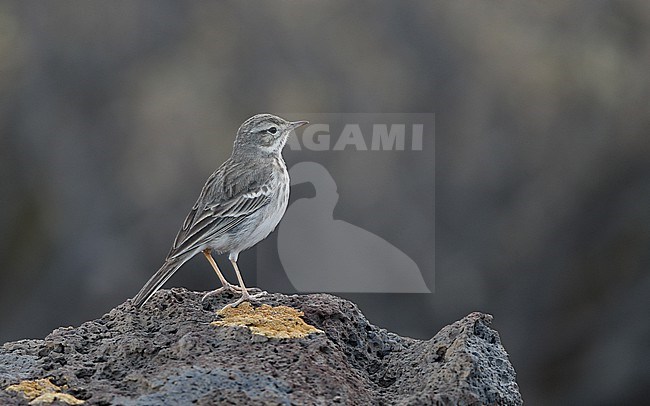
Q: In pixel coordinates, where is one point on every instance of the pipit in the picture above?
(241, 204)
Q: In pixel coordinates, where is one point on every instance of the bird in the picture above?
(240, 204)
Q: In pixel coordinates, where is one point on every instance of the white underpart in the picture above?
(272, 214)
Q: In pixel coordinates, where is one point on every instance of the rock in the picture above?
(170, 352)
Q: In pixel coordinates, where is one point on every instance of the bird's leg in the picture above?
(245, 296)
(225, 284)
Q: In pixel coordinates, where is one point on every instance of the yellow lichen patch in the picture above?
(43, 391)
(268, 321)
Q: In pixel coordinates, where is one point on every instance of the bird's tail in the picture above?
(158, 279)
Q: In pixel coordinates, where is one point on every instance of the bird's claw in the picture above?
(230, 288)
(245, 297)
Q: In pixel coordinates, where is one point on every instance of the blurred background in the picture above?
(113, 114)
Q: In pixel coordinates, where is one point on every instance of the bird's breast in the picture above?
(271, 214)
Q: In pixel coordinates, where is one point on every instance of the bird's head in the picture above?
(266, 133)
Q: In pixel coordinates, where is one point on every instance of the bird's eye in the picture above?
(272, 130)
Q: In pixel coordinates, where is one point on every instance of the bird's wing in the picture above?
(227, 199)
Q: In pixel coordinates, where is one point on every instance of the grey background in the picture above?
(112, 114)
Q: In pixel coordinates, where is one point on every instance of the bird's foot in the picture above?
(228, 287)
(245, 297)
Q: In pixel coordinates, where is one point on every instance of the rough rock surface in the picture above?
(169, 353)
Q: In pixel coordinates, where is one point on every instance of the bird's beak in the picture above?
(296, 124)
